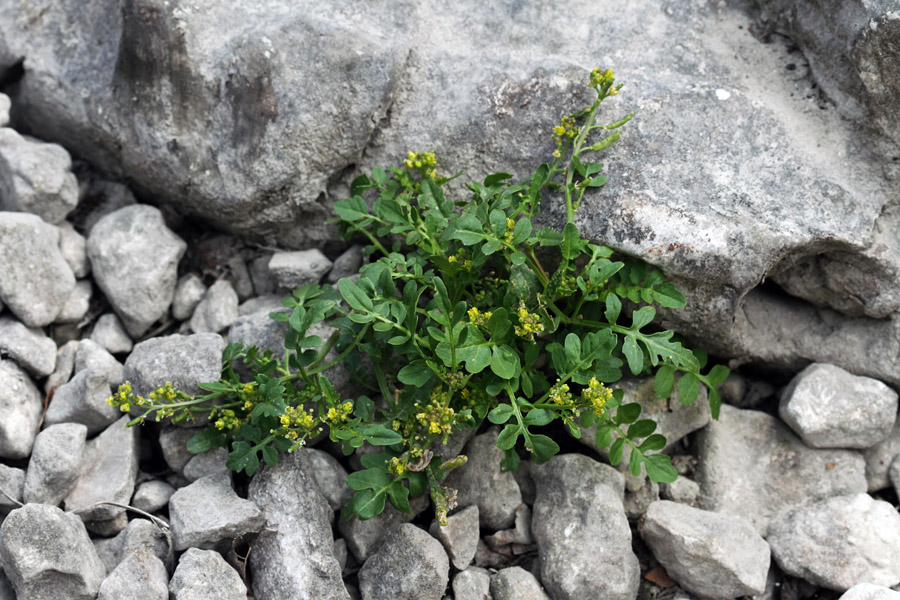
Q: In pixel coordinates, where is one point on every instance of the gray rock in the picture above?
(638, 497)
(208, 514)
(35, 280)
(342, 555)
(30, 348)
(141, 576)
(204, 575)
(347, 264)
(784, 472)
(139, 534)
(868, 591)
(293, 558)
(831, 408)
(55, 463)
(135, 261)
(459, 536)
(879, 459)
(48, 555)
(65, 365)
(328, 475)
(207, 463)
(265, 304)
(515, 583)
(851, 51)
(364, 538)
(682, 490)
(294, 269)
(36, 177)
(152, 495)
(21, 407)
(521, 534)
(258, 329)
(92, 356)
(5, 105)
(582, 532)
(472, 584)
(481, 482)
(410, 565)
(709, 554)
(108, 473)
(105, 197)
(188, 293)
(111, 335)
(6, 588)
(83, 400)
(263, 282)
(839, 542)
(184, 360)
(673, 419)
(12, 481)
(217, 310)
(73, 247)
(76, 307)
(173, 443)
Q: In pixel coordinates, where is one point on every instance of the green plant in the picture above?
(456, 321)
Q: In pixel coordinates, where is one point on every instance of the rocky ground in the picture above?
(166, 170)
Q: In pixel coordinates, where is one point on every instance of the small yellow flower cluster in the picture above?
(435, 417)
(529, 324)
(560, 394)
(227, 420)
(423, 162)
(396, 466)
(597, 394)
(510, 226)
(339, 413)
(125, 397)
(476, 317)
(461, 258)
(566, 130)
(600, 77)
(164, 393)
(297, 421)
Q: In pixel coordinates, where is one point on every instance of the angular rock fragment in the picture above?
(472, 584)
(48, 555)
(65, 365)
(208, 514)
(328, 475)
(35, 280)
(347, 264)
(217, 310)
(410, 565)
(294, 269)
(30, 348)
(184, 360)
(5, 105)
(152, 495)
(141, 576)
(55, 463)
(108, 473)
(481, 482)
(21, 406)
(782, 474)
(708, 554)
(831, 408)
(581, 530)
(204, 575)
(188, 293)
(140, 534)
(839, 542)
(293, 558)
(211, 462)
(12, 481)
(92, 356)
(459, 536)
(77, 305)
(36, 177)
(869, 591)
(135, 257)
(83, 400)
(73, 247)
(364, 538)
(111, 335)
(515, 583)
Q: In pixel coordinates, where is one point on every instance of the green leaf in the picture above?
(717, 375)
(715, 402)
(270, 455)
(205, 441)
(507, 438)
(628, 413)
(354, 295)
(538, 180)
(352, 209)
(633, 354)
(468, 230)
(668, 296)
(616, 451)
(359, 184)
(657, 441)
(501, 414)
(418, 483)
(688, 388)
(542, 447)
(497, 220)
(613, 308)
(504, 362)
(399, 496)
(510, 460)
(379, 435)
(495, 178)
(604, 435)
(572, 242)
(549, 237)
(596, 182)
(215, 386)
(634, 463)
(664, 381)
(641, 429)
(416, 373)
(517, 258)
(538, 417)
(499, 324)
(641, 317)
(659, 468)
(521, 231)
(364, 408)
(242, 458)
(366, 504)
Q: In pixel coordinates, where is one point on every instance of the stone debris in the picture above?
(515, 583)
(459, 536)
(92, 356)
(12, 481)
(292, 270)
(472, 584)
(347, 264)
(21, 405)
(55, 463)
(831, 408)
(135, 258)
(204, 575)
(217, 310)
(141, 576)
(410, 565)
(183, 360)
(76, 307)
(189, 291)
(152, 495)
(111, 335)
(207, 463)
(73, 247)
(30, 348)
(869, 591)
(83, 400)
